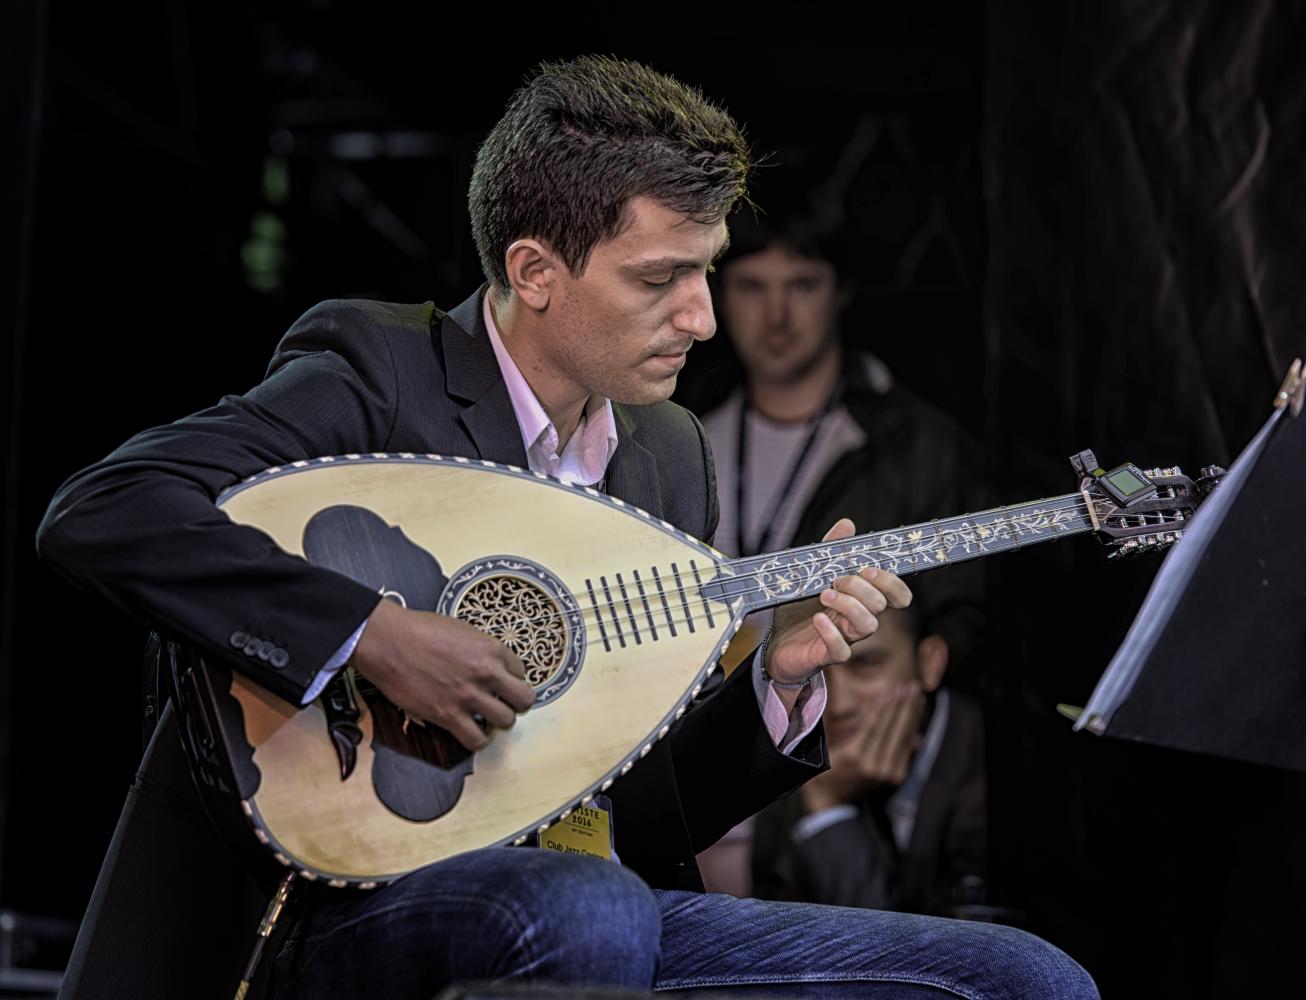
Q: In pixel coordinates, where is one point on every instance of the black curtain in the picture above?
(1143, 168)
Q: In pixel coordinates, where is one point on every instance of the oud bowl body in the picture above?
(648, 639)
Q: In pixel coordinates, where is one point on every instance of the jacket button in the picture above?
(251, 645)
(265, 650)
(279, 658)
(238, 639)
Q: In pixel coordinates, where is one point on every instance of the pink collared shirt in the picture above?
(590, 448)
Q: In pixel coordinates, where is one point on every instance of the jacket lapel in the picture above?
(632, 473)
(472, 376)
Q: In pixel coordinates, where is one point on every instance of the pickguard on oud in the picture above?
(417, 770)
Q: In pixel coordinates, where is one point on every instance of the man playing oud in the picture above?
(597, 206)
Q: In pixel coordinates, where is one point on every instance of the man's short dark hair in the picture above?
(579, 140)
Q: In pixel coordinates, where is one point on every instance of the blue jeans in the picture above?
(529, 914)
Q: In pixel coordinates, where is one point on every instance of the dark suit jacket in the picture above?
(857, 863)
(355, 376)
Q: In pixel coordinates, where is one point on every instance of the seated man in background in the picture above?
(899, 821)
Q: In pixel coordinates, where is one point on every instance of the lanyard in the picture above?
(741, 474)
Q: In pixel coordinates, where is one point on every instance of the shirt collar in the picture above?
(587, 453)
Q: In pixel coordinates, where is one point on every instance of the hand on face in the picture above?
(811, 634)
(875, 752)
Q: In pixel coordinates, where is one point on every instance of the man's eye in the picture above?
(659, 284)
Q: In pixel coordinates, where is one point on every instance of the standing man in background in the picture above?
(817, 425)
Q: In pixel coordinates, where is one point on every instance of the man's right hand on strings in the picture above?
(443, 671)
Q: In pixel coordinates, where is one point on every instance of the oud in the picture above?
(618, 617)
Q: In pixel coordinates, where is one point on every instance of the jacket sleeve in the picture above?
(141, 528)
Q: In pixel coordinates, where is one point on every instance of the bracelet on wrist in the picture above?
(782, 685)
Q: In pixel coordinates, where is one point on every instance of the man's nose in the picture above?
(695, 316)
(777, 307)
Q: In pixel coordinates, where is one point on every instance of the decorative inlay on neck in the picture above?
(767, 580)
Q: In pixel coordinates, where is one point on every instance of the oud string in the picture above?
(752, 580)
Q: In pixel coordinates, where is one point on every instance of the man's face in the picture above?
(623, 326)
(782, 312)
(858, 689)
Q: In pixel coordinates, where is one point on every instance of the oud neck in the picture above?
(765, 581)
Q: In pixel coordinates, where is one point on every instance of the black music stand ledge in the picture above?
(1215, 661)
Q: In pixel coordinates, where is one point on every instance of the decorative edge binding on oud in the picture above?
(643, 749)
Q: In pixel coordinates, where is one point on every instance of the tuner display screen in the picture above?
(1126, 482)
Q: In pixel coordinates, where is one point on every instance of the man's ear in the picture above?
(932, 661)
(532, 268)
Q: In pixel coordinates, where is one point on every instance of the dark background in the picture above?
(1079, 225)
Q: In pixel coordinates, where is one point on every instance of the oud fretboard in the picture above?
(780, 577)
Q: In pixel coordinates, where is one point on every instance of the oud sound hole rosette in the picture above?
(527, 608)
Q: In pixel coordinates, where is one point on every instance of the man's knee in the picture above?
(592, 910)
(576, 919)
(1018, 964)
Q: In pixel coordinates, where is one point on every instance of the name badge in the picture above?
(588, 830)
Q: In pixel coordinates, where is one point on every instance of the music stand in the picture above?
(1215, 661)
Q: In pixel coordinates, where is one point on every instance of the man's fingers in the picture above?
(494, 711)
(864, 590)
(466, 731)
(889, 706)
(856, 620)
(893, 751)
(897, 593)
(883, 708)
(837, 649)
(513, 663)
(843, 528)
(516, 692)
(905, 718)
